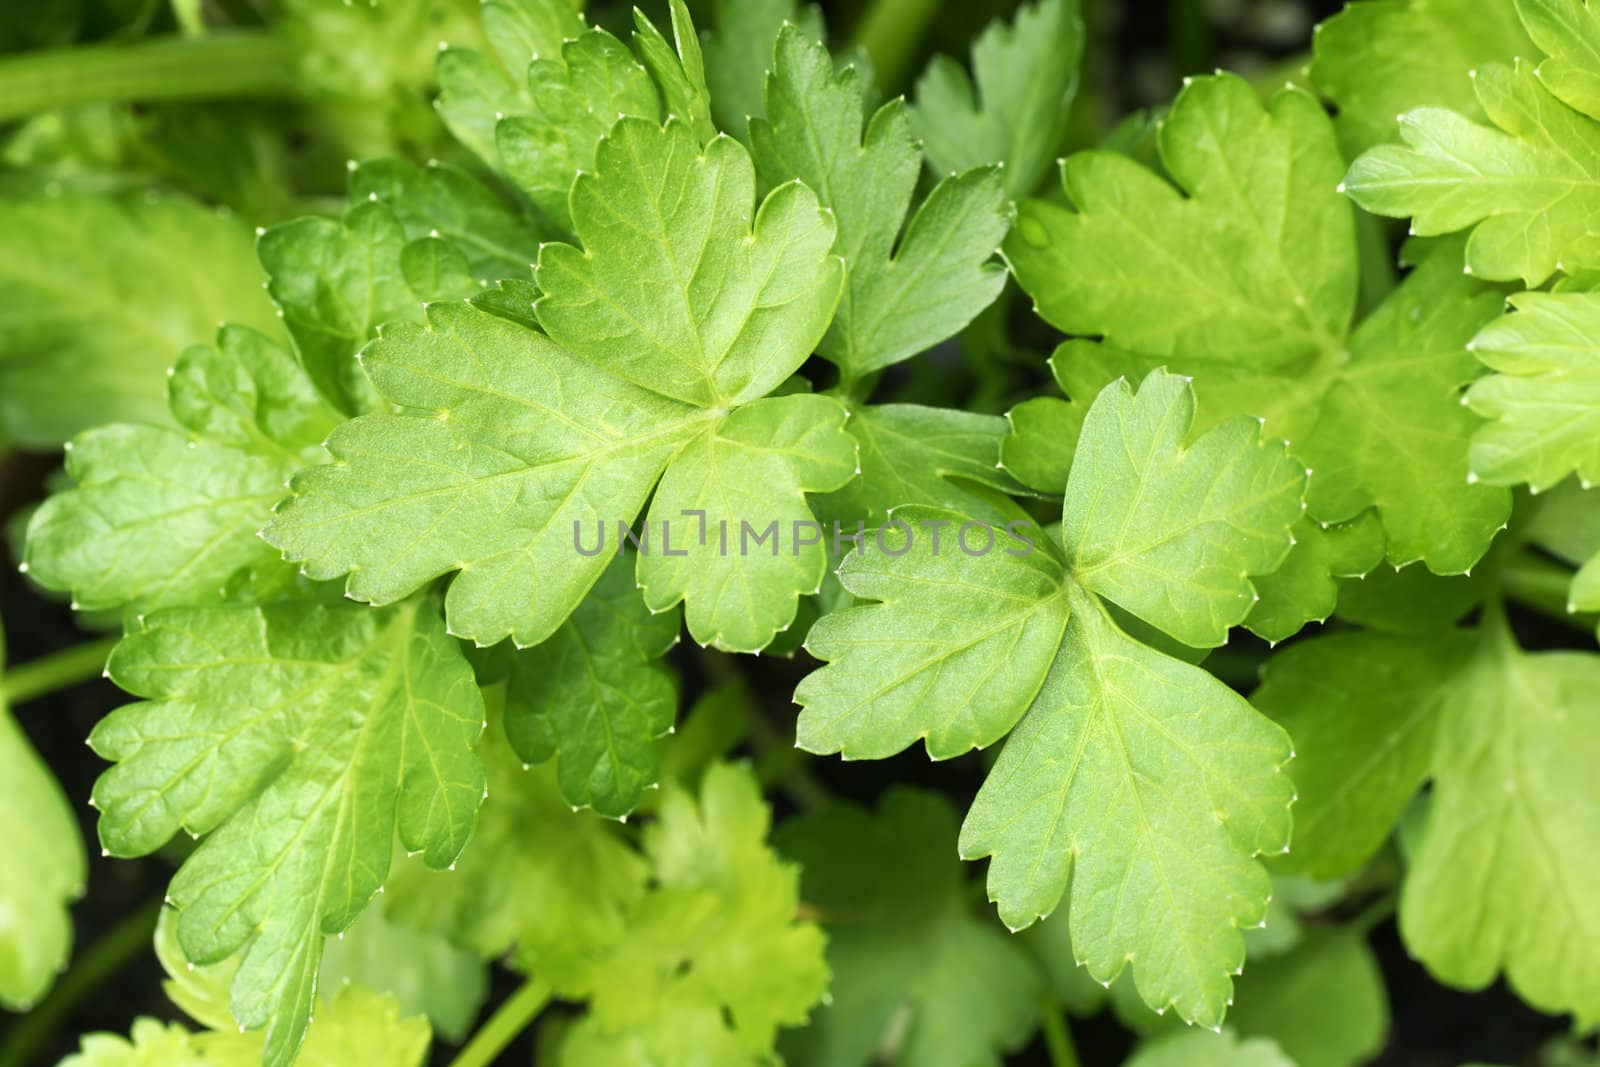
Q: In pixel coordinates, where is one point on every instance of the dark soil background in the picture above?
(1145, 47)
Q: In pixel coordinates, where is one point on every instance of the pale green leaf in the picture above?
(549, 887)
(1380, 58)
(920, 978)
(514, 446)
(1016, 115)
(161, 517)
(595, 696)
(1196, 1048)
(301, 738)
(425, 972)
(105, 294)
(904, 293)
(1568, 32)
(1499, 881)
(715, 959)
(1363, 709)
(1527, 186)
(150, 1043)
(679, 72)
(44, 870)
(1171, 784)
(1543, 404)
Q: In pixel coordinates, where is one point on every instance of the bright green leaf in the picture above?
(301, 738)
(517, 446)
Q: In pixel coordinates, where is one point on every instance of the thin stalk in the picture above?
(1057, 1038)
(509, 1020)
(890, 32)
(46, 675)
(1543, 586)
(103, 960)
(242, 63)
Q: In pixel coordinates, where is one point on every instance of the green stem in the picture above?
(45, 675)
(503, 1026)
(247, 63)
(103, 960)
(1543, 586)
(890, 33)
(1057, 1038)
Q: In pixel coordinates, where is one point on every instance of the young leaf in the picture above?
(903, 294)
(1495, 884)
(302, 739)
(1174, 783)
(715, 960)
(515, 441)
(1376, 60)
(355, 1024)
(1016, 115)
(1186, 1048)
(1249, 282)
(163, 517)
(1544, 402)
(595, 696)
(150, 1043)
(104, 294)
(679, 73)
(1525, 186)
(915, 969)
(44, 872)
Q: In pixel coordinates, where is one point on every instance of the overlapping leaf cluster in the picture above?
(370, 558)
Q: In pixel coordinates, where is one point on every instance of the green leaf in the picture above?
(596, 697)
(575, 97)
(1376, 60)
(1373, 411)
(1016, 115)
(44, 871)
(1568, 32)
(919, 978)
(903, 294)
(161, 517)
(516, 445)
(1174, 783)
(1304, 589)
(1196, 1048)
(301, 738)
(426, 973)
(715, 960)
(1496, 883)
(1323, 1003)
(680, 72)
(476, 90)
(105, 294)
(738, 59)
(911, 454)
(1363, 709)
(151, 1043)
(1544, 401)
(1525, 186)
(1172, 530)
(549, 887)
